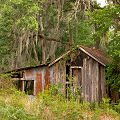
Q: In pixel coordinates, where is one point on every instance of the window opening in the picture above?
(25, 85)
(29, 87)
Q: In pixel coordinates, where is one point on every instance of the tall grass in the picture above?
(16, 105)
(52, 105)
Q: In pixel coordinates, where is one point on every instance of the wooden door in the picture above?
(77, 76)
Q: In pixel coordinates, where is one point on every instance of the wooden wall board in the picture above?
(38, 83)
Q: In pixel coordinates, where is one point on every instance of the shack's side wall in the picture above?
(41, 77)
(93, 80)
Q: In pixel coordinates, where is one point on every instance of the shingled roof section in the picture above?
(96, 54)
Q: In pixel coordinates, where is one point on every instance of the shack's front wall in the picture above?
(93, 80)
(41, 77)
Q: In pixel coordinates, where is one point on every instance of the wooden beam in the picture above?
(56, 40)
(15, 79)
(56, 60)
(76, 67)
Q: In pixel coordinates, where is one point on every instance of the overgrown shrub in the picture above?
(5, 81)
(51, 104)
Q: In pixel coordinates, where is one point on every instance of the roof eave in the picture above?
(92, 56)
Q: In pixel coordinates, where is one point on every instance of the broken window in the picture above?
(29, 87)
(25, 85)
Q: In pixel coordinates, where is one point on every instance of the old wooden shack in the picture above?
(85, 65)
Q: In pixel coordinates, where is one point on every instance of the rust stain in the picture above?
(28, 72)
(47, 79)
(38, 82)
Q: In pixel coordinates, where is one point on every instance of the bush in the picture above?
(6, 82)
(50, 104)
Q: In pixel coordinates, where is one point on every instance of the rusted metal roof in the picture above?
(96, 54)
(27, 68)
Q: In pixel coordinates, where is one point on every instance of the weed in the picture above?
(51, 105)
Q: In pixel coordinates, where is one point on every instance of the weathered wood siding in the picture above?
(102, 82)
(77, 76)
(59, 74)
(93, 80)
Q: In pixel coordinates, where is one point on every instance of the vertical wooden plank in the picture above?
(47, 78)
(103, 81)
(23, 85)
(84, 79)
(82, 83)
(93, 81)
(95, 78)
(92, 85)
(38, 83)
(97, 81)
(99, 85)
(90, 79)
(90, 74)
(87, 81)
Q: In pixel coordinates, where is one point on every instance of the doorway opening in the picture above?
(67, 85)
(73, 79)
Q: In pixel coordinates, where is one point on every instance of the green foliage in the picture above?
(117, 107)
(84, 34)
(60, 51)
(48, 105)
(20, 13)
(16, 16)
(105, 104)
(104, 20)
(113, 75)
(5, 81)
